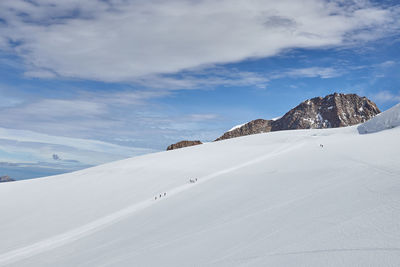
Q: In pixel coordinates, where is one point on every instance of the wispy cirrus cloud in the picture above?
(210, 77)
(312, 72)
(128, 118)
(386, 96)
(388, 63)
(120, 40)
(27, 154)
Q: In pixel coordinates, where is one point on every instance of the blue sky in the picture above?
(135, 76)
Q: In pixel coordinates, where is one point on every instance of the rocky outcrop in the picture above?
(332, 111)
(182, 144)
(335, 110)
(253, 127)
(5, 178)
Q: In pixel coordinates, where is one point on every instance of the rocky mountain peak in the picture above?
(331, 111)
(335, 110)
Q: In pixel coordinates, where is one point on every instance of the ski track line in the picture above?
(92, 227)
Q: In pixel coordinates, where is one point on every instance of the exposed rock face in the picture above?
(183, 144)
(5, 178)
(335, 110)
(332, 111)
(253, 127)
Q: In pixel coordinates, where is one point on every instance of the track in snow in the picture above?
(97, 225)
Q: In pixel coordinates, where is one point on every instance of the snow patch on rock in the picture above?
(236, 127)
(277, 118)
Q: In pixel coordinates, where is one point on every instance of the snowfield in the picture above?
(386, 120)
(274, 199)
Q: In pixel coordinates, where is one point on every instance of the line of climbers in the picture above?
(192, 181)
(155, 198)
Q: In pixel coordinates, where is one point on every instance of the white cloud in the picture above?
(126, 40)
(77, 116)
(205, 78)
(59, 108)
(386, 96)
(9, 102)
(27, 146)
(203, 117)
(38, 73)
(128, 118)
(388, 63)
(321, 72)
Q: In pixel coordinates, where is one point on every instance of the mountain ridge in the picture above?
(332, 111)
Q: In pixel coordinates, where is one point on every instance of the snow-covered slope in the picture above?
(276, 199)
(386, 120)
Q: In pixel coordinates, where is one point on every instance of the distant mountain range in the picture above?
(332, 111)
